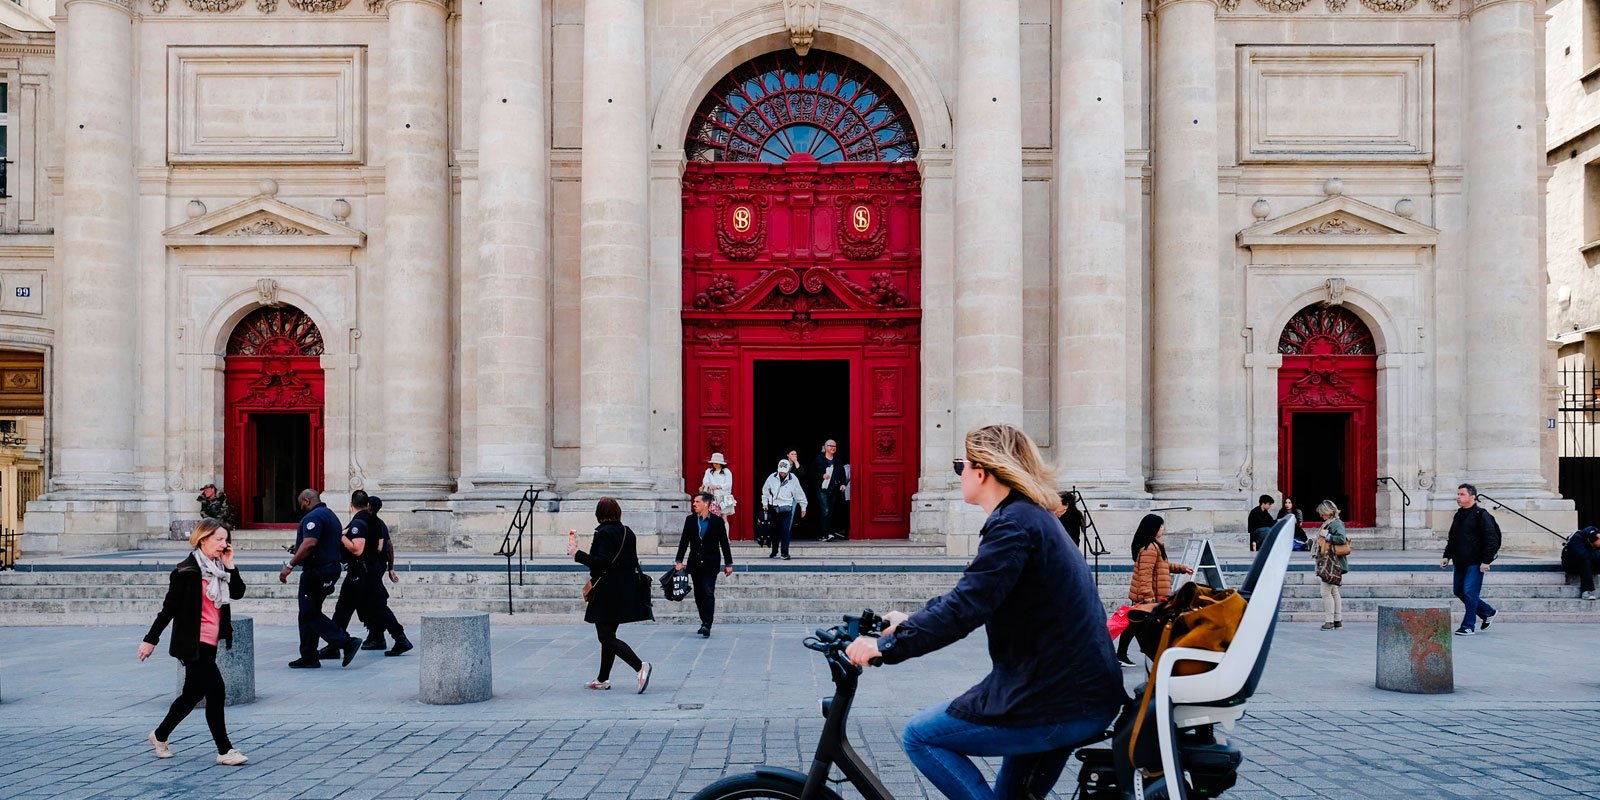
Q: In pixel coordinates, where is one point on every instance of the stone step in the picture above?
(865, 550)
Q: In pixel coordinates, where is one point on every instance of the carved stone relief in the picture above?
(801, 18)
(1335, 226)
(1283, 6)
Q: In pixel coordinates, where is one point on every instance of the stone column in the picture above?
(415, 261)
(1504, 275)
(614, 249)
(1186, 298)
(94, 356)
(988, 189)
(1091, 357)
(514, 267)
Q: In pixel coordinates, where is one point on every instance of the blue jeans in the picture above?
(1468, 584)
(938, 744)
(782, 524)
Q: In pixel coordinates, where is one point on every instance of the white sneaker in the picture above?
(232, 758)
(1588, 595)
(162, 750)
(644, 677)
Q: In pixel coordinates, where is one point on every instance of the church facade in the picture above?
(453, 252)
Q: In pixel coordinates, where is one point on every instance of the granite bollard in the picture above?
(237, 665)
(455, 658)
(1414, 649)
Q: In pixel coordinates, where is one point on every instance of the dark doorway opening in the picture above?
(1320, 460)
(800, 404)
(283, 465)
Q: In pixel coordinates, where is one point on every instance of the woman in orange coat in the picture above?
(1152, 573)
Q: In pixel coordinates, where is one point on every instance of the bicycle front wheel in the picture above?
(756, 786)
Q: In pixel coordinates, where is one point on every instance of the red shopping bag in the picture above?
(1118, 622)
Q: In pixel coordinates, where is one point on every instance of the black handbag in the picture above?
(675, 584)
(763, 527)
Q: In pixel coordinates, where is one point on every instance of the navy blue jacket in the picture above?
(322, 524)
(1031, 589)
(1578, 547)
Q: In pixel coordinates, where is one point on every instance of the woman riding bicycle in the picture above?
(1054, 682)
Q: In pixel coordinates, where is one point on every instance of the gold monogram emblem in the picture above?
(741, 219)
(861, 219)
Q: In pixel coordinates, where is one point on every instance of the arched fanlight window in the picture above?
(276, 331)
(823, 105)
(1326, 331)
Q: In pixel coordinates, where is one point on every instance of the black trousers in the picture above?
(315, 586)
(201, 680)
(363, 593)
(705, 592)
(1584, 568)
(610, 648)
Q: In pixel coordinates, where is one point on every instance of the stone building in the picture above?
(451, 251)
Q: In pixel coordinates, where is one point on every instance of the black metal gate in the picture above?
(1578, 426)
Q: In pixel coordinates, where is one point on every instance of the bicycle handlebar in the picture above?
(832, 642)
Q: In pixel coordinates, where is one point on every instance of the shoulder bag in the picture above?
(588, 585)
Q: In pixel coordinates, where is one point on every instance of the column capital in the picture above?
(1228, 5)
(1474, 6)
(442, 5)
(125, 6)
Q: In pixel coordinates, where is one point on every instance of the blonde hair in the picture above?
(1327, 508)
(1009, 455)
(206, 527)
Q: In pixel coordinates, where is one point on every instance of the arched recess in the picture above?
(880, 49)
(274, 413)
(1328, 421)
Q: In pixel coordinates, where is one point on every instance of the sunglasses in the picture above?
(960, 465)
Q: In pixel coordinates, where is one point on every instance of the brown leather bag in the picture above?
(1195, 616)
(588, 585)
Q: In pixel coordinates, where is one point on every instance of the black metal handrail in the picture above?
(1499, 505)
(1097, 547)
(8, 548)
(1405, 503)
(512, 544)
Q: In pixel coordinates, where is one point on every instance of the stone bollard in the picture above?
(1414, 649)
(238, 665)
(455, 658)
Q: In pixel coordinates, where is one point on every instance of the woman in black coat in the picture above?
(616, 597)
(199, 594)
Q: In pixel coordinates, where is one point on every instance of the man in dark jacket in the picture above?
(1473, 544)
(704, 534)
(1582, 555)
(364, 543)
(1260, 521)
(830, 479)
(317, 552)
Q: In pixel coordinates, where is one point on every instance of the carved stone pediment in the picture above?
(1339, 222)
(262, 221)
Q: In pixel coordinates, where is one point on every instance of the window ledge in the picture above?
(1591, 248)
(1589, 75)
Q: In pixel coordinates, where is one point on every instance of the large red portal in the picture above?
(273, 414)
(805, 261)
(1328, 414)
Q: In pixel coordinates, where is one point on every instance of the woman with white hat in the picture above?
(718, 481)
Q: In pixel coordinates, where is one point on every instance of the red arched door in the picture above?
(802, 284)
(273, 415)
(1328, 414)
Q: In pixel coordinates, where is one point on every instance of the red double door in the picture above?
(273, 446)
(801, 323)
(1328, 434)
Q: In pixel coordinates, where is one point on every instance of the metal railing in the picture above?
(10, 548)
(1091, 533)
(1499, 505)
(1405, 503)
(512, 544)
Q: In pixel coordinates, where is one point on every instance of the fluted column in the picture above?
(1091, 357)
(514, 267)
(1504, 275)
(94, 356)
(416, 258)
(988, 200)
(615, 259)
(1186, 298)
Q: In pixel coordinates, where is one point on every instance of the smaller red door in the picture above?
(1328, 414)
(273, 415)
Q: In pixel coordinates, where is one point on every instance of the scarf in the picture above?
(214, 579)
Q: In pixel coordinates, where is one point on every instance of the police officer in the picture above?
(364, 544)
(316, 552)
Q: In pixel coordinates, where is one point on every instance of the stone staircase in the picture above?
(813, 592)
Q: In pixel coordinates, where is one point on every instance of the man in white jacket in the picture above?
(779, 496)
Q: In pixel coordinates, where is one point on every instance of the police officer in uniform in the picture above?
(379, 600)
(317, 553)
(365, 543)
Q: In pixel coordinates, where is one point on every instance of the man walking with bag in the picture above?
(1473, 544)
(704, 534)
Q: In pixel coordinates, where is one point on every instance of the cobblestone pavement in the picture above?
(76, 706)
